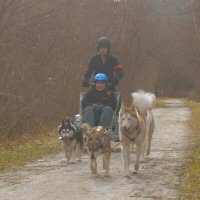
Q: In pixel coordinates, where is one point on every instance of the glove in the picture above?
(97, 107)
(85, 83)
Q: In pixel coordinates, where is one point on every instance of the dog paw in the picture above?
(134, 172)
(71, 162)
(148, 152)
(68, 159)
(142, 159)
(106, 175)
(127, 176)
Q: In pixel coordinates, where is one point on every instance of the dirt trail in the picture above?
(52, 178)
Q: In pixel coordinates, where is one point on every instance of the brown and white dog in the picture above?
(72, 139)
(98, 143)
(133, 122)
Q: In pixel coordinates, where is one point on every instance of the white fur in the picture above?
(150, 126)
(138, 140)
(143, 102)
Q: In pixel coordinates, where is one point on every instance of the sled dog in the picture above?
(98, 143)
(71, 138)
(134, 123)
(144, 102)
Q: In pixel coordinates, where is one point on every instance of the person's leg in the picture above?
(97, 117)
(88, 116)
(106, 117)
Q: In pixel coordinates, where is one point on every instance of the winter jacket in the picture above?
(107, 98)
(111, 68)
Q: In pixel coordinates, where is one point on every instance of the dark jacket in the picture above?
(111, 67)
(107, 98)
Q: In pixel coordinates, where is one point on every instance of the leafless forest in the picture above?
(45, 46)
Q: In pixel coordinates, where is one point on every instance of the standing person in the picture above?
(104, 62)
(99, 103)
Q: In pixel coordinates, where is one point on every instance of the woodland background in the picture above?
(45, 46)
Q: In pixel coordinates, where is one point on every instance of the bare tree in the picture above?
(45, 46)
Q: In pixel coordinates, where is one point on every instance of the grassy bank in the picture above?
(190, 179)
(160, 102)
(26, 149)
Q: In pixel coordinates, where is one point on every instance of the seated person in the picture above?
(99, 103)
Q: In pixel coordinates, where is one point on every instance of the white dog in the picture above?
(135, 123)
(144, 102)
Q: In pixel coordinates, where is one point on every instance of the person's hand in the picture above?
(97, 107)
(85, 83)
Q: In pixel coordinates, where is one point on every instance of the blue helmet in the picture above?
(100, 77)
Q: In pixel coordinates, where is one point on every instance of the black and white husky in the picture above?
(72, 139)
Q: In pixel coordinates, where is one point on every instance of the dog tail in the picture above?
(143, 101)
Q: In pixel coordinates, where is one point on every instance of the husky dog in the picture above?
(144, 102)
(98, 143)
(72, 139)
(133, 127)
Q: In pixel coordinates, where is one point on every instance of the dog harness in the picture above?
(96, 140)
(137, 128)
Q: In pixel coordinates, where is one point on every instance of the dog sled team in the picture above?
(136, 126)
(93, 128)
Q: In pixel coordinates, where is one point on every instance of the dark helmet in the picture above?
(103, 42)
(100, 77)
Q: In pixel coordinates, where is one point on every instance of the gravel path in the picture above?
(52, 178)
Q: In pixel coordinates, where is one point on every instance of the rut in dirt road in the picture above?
(53, 178)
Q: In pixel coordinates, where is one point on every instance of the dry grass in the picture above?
(160, 102)
(190, 179)
(26, 149)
